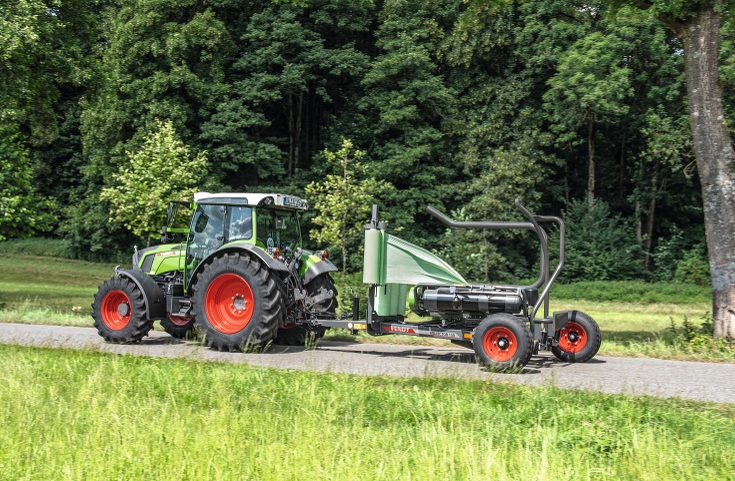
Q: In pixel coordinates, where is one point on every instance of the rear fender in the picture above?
(155, 306)
(317, 269)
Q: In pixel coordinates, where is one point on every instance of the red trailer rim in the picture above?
(179, 320)
(500, 344)
(572, 338)
(116, 310)
(229, 303)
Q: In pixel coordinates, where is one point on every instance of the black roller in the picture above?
(484, 301)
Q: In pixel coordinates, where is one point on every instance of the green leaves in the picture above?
(22, 210)
(162, 170)
(343, 201)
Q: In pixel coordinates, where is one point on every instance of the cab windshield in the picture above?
(277, 229)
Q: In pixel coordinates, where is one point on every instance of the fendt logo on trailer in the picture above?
(405, 330)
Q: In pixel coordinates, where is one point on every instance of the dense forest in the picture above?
(578, 110)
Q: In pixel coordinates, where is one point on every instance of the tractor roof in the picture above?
(282, 201)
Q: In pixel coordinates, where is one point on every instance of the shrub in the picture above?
(693, 268)
(599, 247)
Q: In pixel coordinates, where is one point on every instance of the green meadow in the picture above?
(86, 415)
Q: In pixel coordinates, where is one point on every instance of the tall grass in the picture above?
(36, 246)
(633, 291)
(80, 415)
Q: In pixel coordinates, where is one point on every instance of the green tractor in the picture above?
(230, 265)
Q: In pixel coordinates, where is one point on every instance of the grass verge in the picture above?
(82, 415)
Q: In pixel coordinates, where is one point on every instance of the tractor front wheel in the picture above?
(177, 326)
(119, 311)
(237, 303)
(503, 342)
(579, 341)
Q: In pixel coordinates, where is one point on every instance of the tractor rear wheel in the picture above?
(237, 303)
(503, 342)
(119, 311)
(297, 335)
(177, 326)
(579, 341)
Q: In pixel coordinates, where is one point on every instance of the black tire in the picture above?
(296, 335)
(178, 327)
(119, 311)
(225, 327)
(586, 330)
(503, 342)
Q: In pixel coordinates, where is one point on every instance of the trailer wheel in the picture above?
(579, 341)
(177, 326)
(119, 311)
(503, 342)
(297, 335)
(236, 303)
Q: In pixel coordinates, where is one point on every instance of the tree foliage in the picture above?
(162, 170)
(343, 201)
(460, 105)
(22, 211)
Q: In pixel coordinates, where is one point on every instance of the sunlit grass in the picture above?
(53, 283)
(81, 415)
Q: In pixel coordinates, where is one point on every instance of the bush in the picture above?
(693, 268)
(599, 247)
(693, 339)
(36, 246)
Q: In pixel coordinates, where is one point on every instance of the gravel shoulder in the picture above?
(688, 380)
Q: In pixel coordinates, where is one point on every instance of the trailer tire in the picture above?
(298, 335)
(237, 304)
(178, 327)
(119, 311)
(503, 342)
(579, 341)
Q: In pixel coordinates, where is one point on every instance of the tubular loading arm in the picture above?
(533, 224)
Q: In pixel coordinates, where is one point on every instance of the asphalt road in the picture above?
(654, 377)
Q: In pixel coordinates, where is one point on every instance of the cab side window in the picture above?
(240, 224)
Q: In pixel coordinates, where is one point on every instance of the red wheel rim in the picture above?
(289, 326)
(578, 338)
(229, 303)
(500, 344)
(179, 320)
(116, 310)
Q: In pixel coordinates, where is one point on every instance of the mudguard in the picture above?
(155, 305)
(273, 264)
(318, 269)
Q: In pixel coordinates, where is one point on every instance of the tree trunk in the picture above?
(566, 180)
(344, 258)
(622, 172)
(290, 135)
(713, 148)
(297, 133)
(591, 171)
(307, 127)
(651, 216)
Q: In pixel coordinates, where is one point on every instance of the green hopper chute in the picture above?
(395, 264)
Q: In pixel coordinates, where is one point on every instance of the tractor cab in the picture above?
(266, 221)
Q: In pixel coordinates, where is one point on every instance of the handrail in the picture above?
(533, 225)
